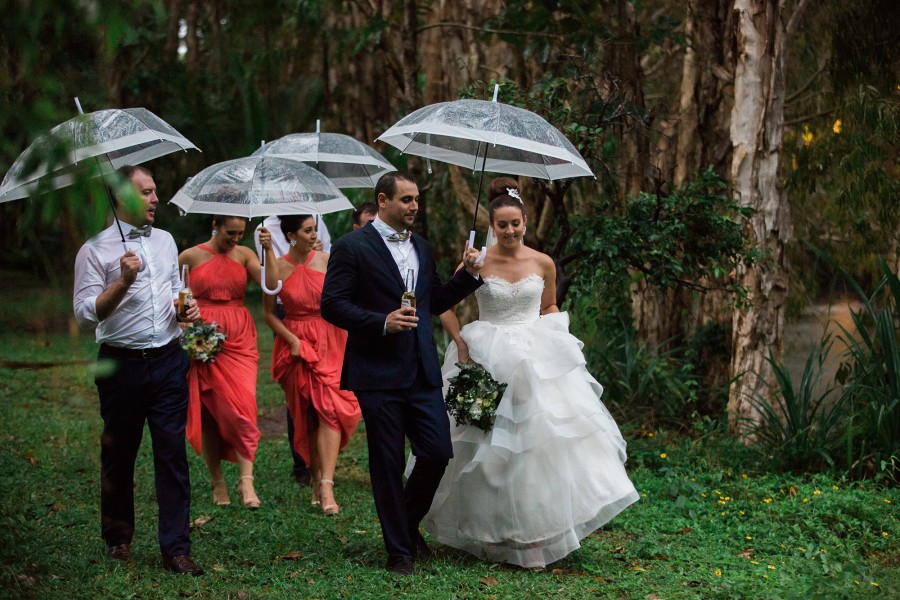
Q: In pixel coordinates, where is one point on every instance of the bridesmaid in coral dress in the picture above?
(222, 403)
(307, 359)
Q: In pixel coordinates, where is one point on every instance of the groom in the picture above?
(391, 363)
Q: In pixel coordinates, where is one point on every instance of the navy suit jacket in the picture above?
(362, 285)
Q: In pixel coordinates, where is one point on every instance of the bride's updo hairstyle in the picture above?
(501, 186)
(291, 223)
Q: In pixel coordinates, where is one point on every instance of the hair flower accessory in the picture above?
(202, 341)
(515, 194)
(473, 397)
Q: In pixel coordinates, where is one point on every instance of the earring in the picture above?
(524, 229)
(215, 232)
(293, 243)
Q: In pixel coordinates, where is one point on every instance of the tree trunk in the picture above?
(705, 97)
(756, 132)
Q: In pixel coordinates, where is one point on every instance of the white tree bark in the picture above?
(756, 131)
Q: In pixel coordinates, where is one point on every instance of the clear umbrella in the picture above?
(105, 139)
(259, 186)
(344, 160)
(126, 136)
(488, 136)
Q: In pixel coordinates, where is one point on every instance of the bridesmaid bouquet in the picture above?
(202, 341)
(473, 397)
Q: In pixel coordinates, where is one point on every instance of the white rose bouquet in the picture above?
(473, 397)
(202, 341)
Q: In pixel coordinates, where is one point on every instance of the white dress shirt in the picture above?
(404, 252)
(146, 316)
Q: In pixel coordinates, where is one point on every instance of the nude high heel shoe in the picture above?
(330, 509)
(249, 500)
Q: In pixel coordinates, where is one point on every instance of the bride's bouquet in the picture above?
(202, 341)
(473, 397)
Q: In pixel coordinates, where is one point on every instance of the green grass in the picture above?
(709, 524)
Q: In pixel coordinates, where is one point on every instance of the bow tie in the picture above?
(143, 230)
(398, 237)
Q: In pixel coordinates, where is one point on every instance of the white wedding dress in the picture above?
(552, 469)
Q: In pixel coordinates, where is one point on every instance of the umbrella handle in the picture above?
(262, 265)
(480, 258)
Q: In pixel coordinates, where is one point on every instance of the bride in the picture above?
(552, 469)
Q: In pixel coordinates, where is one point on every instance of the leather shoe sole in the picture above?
(120, 552)
(182, 565)
(403, 567)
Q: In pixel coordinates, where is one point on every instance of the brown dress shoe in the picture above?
(182, 564)
(120, 552)
(401, 566)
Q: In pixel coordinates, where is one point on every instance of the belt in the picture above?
(142, 353)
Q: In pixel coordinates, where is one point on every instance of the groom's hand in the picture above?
(470, 260)
(402, 319)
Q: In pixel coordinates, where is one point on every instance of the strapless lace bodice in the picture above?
(501, 302)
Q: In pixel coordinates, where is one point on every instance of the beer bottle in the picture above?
(185, 295)
(409, 296)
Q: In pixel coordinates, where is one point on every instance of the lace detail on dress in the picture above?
(504, 304)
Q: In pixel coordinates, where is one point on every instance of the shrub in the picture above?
(870, 375)
(801, 427)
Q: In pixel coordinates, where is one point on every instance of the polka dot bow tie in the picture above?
(398, 237)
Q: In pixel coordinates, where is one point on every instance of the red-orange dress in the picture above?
(227, 386)
(315, 377)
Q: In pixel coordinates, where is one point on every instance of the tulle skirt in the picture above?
(552, 469)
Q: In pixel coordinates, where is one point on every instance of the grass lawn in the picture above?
(710, 523)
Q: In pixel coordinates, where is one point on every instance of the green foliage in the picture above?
(871, 379)
(682, 239)
(857, 430)
(654, 386)
(844, 189)
(802, 427)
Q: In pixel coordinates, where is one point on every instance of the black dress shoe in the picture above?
(120, 552)
(182, 564)
(401, 566)
(421, 551)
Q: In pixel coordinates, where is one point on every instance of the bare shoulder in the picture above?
(320, 260)
(193, 256)
(246, 253)
(544, 263)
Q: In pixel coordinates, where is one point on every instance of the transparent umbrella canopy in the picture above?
(344, 160)
(488, 136)
(259, 186)
(114, 137)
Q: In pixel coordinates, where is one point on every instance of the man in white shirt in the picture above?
(128, 296)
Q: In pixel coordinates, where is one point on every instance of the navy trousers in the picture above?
(138, 390)
(419, 414)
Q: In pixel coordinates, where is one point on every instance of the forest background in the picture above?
(745, 152)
